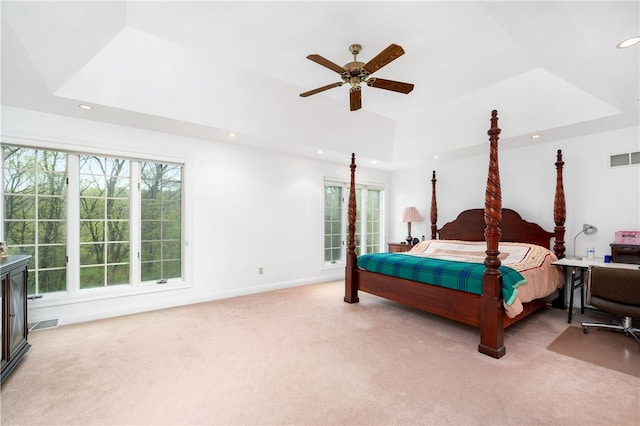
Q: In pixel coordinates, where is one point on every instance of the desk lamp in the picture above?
(587, 230)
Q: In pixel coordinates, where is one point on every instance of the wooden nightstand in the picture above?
(625, 253)
(398, 248)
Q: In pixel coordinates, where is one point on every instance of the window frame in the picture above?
(361, 204)
(135, 285)
(35, 247)
(106, 242)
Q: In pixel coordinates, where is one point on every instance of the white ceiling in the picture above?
(205, 68)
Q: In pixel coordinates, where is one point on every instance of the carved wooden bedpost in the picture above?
(491, 312)
(434, 207)
(559, 209)
(350, 286)
(559, 217)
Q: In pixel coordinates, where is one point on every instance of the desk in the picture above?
(580, 269)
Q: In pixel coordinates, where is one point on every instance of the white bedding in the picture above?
(532, 261)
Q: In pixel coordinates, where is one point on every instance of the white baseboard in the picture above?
(78, 312)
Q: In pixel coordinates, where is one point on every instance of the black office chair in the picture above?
(616, 291)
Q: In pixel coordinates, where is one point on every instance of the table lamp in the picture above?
(410, 214)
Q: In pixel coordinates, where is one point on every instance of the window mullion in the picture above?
(363, 219)
(344, 224)
(73, 220)
(382, 218)
(135, 224)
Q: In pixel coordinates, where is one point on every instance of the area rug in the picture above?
(606, 348)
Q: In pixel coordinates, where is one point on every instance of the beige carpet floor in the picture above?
(303, 356)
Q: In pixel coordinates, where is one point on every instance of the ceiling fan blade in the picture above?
(383, 58)
(326, 63)
(395, 86)
(321, 89)
(355, 98)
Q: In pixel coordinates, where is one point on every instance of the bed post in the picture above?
(559, 209)
(491, 310)
(434, 207)
(559, 217)
(350, 285)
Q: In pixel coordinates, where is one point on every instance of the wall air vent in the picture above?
(624, 159)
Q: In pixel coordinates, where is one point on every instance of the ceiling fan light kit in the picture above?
(355, 73)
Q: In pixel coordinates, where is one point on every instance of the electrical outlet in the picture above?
(260, 270)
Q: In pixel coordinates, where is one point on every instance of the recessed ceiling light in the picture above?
(536, 136)
(435, 157)
(373, 161)
(320, 151)
(85, 106)
(628, 42)
(232, 134)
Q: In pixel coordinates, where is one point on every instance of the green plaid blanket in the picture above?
(464, 276)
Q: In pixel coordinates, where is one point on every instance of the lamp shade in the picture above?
(410, 214)
(589, 229)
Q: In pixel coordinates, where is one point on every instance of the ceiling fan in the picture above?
(355, 73)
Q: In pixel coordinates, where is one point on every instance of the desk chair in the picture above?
(616, 291)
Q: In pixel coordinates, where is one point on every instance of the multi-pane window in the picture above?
(35, 191)
(161, 206)
(333, 228)
(374, 224)
(104, 221)
(96, 220)
(368, 200)
(358, 234)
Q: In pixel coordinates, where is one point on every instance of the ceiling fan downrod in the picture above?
(354, 71)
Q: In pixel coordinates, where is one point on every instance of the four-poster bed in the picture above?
(491, 224)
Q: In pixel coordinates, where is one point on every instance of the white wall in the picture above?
(251, 208)
(606, 197)
(247, 208)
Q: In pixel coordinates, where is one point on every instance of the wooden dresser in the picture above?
(14, 311)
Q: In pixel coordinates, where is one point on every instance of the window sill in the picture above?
(331, 266)
(99, 294)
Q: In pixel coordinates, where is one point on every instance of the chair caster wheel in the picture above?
(585, 330)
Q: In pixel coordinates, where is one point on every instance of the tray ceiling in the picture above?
(205, 68)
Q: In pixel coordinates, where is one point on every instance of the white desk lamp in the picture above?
(587, 230)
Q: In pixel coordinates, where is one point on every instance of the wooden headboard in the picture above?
(470, 226)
